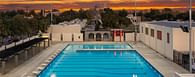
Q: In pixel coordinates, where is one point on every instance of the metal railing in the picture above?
(181, 59)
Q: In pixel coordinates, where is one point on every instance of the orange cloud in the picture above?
(77, 4)
(63, 1)
(30, 2)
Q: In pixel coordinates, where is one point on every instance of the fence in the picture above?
(181, 58)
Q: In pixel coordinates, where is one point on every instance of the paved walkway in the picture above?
(31, 64)
(164, 66)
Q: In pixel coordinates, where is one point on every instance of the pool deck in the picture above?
(165, 66)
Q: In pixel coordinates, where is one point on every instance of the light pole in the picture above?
(135, 21)
(51, 18)
(190, 35)
(51, 12)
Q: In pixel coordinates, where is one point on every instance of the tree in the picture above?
(193, 15)
(109, 18)
(167, 10)
(22, 12)
(32, 12)
(10, 13)
(6, 26)
(123, 20)
(15, 24)
(166, 14)
(20, 25)
(152, 15)
(182, 16)
(82, 14)
(123, 13)
(1, 27)
(68, 15)
(114, 19)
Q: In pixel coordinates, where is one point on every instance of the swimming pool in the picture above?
(99, 60)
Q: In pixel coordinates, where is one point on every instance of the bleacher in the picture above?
(7, 52)
(18, 48)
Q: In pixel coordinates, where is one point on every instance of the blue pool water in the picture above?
(75, 62)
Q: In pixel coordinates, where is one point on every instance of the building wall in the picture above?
(78, 37)
(161, 46)
(168, 47)
(131, 36)
(76, 28)
(153, 39)
(117, 39)
(142, 29)
(56, 36)
(147, 37)
(143, 37)
(193, 39)
(66, 33)
(67, 37)
(95, 35)
(181, 40)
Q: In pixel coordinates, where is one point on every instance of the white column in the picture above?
(3, 63)
(102, 37)
(94, 37)
(39, 46)
(33, 50)
(16, 59)
(26, 54)
(44, 43)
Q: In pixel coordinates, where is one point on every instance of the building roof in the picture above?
(172, 24)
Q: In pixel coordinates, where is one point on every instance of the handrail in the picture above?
(17, 43)
(13, 50)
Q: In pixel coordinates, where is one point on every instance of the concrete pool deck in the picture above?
(166, 67)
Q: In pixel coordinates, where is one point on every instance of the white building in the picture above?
(70, 32)
(166, 37)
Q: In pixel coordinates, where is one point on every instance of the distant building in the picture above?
(165, 36)
(168, 39)
(56, 12)
(43, 13)
(133, 19)
(29, 16)
(46, 12)
(66, 31)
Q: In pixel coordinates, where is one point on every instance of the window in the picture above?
(152, 32)
(159, 35)
(146, 31)
(168, 38)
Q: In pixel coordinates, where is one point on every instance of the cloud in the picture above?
(59, 4)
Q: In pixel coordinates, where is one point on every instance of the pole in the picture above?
(190, 34)
(51, 7)
(51, 34)
(135, 21)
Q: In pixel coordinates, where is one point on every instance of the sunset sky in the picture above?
(77, 4)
